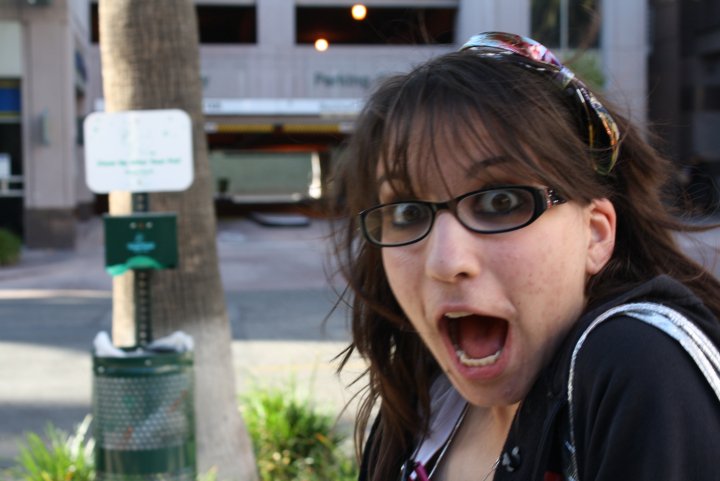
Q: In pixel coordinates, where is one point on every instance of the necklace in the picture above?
(492, 469)
(449, 441)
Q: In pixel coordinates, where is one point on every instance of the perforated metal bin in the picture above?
(143, 415)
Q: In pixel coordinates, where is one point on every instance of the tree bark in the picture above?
(150, 60)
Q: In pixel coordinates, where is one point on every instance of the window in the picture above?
(383, 25)
(224, 24)
(217, 24)
(566, 23)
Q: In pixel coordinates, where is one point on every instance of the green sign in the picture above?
(140, 241)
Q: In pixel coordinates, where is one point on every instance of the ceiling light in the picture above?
(321, 45)
(358, 11)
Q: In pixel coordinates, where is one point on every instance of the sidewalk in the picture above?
(277, 295)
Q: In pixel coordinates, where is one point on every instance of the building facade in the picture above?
(43, 78)
(276, 107)
(684, 90)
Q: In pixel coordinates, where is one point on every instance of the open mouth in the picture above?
(478, 340)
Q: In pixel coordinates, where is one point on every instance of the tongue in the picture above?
(481, 337)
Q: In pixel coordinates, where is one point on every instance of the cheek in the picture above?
(400, 272)
(546, 277)
(556, 293)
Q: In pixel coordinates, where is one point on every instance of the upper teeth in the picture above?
(456, 315)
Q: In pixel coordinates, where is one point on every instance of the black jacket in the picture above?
(643, 409)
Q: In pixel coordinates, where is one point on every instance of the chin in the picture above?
(496, 395)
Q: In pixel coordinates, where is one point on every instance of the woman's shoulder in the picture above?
(633, 384)
(625, 339)
(628, 344)
(627, 357)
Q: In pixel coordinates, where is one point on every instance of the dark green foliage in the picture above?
(293, 441)
(10, 246)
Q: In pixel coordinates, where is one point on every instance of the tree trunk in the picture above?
(150, 60)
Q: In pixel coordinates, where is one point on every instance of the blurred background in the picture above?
(284, 79)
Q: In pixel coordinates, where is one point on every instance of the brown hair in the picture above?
(531, 121)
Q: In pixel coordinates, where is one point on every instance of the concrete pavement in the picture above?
(277, 295)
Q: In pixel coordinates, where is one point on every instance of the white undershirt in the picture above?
(446, 409)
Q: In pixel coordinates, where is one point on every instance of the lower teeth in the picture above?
(472, 362)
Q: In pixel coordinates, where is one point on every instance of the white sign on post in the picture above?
(138, 151)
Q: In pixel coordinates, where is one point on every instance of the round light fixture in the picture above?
(358, 11)
(321, 45)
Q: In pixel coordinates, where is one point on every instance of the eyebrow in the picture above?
(477, 166)
(471, 171)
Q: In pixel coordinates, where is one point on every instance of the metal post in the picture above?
(143, 307)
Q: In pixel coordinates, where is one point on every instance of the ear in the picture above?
(602, 224)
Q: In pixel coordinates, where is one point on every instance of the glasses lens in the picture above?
(398, 223)
(497, 209)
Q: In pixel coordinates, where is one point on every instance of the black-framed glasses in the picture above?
(603, 134)
(485, 211)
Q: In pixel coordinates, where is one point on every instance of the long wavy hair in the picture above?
(483, 105)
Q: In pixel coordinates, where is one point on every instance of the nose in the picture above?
(452, 252)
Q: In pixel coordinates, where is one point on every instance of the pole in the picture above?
(141, 287)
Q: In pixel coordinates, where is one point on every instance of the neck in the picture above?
(478, 443)
(499, 416)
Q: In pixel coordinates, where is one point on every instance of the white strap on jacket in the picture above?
(677, 326)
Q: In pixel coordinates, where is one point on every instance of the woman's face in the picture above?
(492, 308)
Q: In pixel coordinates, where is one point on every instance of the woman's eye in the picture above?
(499, 202)
(408, 214)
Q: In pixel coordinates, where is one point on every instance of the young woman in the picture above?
(495, 208)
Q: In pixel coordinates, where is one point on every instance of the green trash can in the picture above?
(143, 412)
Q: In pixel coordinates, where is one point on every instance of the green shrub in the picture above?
(60, 457)
(294, 441)
(588, 66)
(9, 248)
